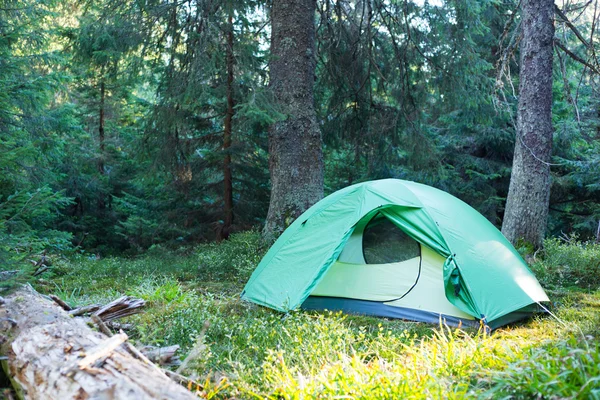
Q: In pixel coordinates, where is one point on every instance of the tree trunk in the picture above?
(227, 178)
(529, 192)
(295, 152)
(101, 202)
(51, 355)
(101, 127)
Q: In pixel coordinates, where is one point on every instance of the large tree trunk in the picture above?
(51, 355)
(295, 152)
(101, 122)
(227, 178)
(101, 127)
(529, 193)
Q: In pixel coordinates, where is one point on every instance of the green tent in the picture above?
(397, 249)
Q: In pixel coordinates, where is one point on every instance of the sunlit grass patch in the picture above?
(565, 369)
(242, 350)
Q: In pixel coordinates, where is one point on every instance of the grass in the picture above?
(245, 351)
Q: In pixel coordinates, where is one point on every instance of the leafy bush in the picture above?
(233, 258)
(569, 263)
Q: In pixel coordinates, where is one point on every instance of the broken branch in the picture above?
(60, 302)
(575, 56)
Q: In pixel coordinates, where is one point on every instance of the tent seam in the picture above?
(294, 234)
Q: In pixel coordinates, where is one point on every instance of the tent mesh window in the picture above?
(384, 243)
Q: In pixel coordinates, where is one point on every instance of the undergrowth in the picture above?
(245, 351)
(569, 263)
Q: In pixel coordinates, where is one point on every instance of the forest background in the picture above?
(114, 131)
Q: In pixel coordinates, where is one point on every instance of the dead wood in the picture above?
(130, 348)
(119, 326)
(47, 341)
(41, 269)
(102, 350)
(119, 308)
(162, 355)
(182, 380)
(60, 302)
(6, 275)
(84, 310)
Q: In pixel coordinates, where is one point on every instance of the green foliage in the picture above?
(26, 220)
(403, 89)
(155, 274)
(407, 92)
(145, 224)
(30, 201)
(444, 365)
(159, 291)
(570, 262)
(184, 130)
(245, 351)
(235, 258)
(120, 106)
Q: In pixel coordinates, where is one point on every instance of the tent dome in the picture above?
(447, 260)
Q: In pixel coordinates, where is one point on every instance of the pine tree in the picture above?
(30, 129)
(295, 149)
(527, 203)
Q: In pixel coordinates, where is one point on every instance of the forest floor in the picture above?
(245, 351)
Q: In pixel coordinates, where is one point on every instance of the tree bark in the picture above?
(529, 192)
(101, 127)
(101, 202)
(295, 149)
(227, 177)
(51, 355)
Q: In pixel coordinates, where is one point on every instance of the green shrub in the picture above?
(27, 222)
(234, 259)
(569, 263)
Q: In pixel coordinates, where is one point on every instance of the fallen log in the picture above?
(50, 355)
(102, 351)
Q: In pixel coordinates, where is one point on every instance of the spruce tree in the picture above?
(529, 193)
(295, 145)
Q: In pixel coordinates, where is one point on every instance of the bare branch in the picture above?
(570, 25)
(575, 57)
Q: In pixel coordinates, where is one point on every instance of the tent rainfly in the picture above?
(398, 249)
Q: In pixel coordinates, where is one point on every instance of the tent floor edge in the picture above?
(514, 316)
(380, 309)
